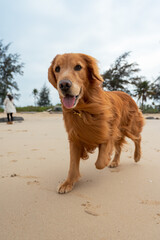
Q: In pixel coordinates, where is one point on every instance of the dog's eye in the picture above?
(57, 69)
(77, 67)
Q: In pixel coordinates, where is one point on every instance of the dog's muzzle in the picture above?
(65, 86)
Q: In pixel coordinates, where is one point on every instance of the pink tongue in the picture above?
(69, 101)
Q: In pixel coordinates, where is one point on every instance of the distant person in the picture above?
(9, 108)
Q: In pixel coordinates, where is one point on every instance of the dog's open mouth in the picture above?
(70, 101)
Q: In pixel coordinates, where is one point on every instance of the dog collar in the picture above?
(77, 113)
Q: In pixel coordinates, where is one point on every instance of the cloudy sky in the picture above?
(40, 29)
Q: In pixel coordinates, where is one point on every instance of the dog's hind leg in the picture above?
(118, 149)
(137, 152)
(137, 142)
(105, 151)
(116, 159)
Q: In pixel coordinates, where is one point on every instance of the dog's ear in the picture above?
(51, 75)
(92, 67)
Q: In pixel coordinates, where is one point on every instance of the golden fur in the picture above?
(97, 118)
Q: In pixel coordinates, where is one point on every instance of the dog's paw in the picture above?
(137, 157)
(100, 165)
(65, 188)
(113, 164)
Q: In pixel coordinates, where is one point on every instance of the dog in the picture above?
(93, 118)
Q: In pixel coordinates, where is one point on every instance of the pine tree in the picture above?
(44, 98)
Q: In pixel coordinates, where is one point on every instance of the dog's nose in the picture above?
(65, 85)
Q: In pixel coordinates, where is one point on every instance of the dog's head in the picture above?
(71, 74)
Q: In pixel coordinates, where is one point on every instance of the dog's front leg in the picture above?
(105, 151)
(73, 174)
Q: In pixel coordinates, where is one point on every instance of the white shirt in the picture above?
(9, 106)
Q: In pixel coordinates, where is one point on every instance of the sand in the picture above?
(108, 204)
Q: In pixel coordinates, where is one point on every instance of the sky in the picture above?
(104, 29)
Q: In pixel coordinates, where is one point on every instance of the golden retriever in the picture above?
(93, 117)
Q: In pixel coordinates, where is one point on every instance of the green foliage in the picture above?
(143, 90)
(35, 95)
(33, 109)
(121, 74)
(43, 98)
(155, 87)
(9, 68)
(39, 109)
(150, 109)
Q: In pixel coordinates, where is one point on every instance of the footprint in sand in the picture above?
(150, 202)
(25, 177)
(34, 149)
(14, 161)
(91, 209)
(14, 175)
(35, 182)
(157, 218)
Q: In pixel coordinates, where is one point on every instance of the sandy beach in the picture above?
(109, 204)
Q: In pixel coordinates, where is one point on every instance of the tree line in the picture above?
(125, 76)
(120, 76)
